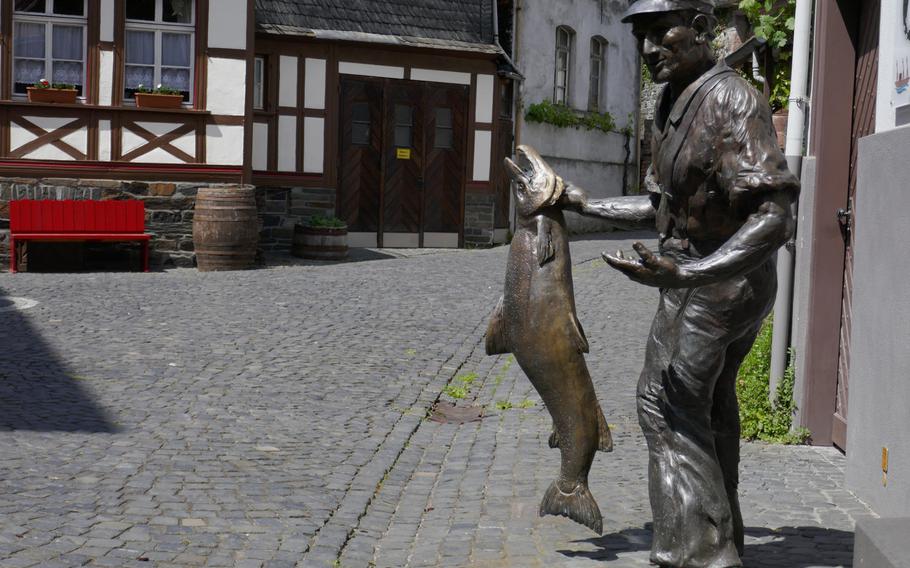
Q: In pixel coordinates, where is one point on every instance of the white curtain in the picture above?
(175, 60)
(67, 45)
(28, 50)
(140, 59)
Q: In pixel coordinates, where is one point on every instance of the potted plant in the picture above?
(159, 97)
(45, 92)
(321, 238)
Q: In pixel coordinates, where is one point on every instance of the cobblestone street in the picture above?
(278, 417)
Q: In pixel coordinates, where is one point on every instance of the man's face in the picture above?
(667, 43)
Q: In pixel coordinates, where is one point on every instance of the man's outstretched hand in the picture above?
(650, 269)
(573, 198)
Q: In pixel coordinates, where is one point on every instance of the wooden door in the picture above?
(360, 173)
(402, 165)
(445, 110)
(864, 98)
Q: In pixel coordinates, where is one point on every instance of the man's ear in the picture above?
(704, 27)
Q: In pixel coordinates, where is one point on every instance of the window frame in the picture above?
(597, 60)
(566, 51)
(159, 27)
(48, 19)
(261, 88)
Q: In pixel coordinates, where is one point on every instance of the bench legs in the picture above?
(12, 254)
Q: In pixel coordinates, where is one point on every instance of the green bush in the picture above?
(564, 117)
(760, 419)
(323, 221)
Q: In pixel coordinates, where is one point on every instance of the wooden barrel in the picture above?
(320, 243)
(225, 228)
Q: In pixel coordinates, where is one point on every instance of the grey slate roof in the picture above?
(458, 24)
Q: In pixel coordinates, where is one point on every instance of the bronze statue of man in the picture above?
(719, 193)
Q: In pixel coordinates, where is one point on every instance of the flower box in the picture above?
(37, 95)
(156, 100)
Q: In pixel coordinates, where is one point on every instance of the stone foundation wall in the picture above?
(478, 219)
(282, 207)
(168, 209)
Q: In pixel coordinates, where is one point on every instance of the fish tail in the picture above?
(579, 505)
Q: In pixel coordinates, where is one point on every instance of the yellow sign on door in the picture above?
(403, 153)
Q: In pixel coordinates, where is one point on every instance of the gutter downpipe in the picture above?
(796, 120)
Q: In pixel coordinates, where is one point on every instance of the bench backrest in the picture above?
(31, 216)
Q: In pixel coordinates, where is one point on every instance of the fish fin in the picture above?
(604, 436)
(496, 338)
(578, 335)
(554, 438)
(545, 249)
(579, 505)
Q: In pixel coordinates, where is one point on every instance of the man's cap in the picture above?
(641, 7)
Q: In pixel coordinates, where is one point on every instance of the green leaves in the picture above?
(759, 418)
(564, 117)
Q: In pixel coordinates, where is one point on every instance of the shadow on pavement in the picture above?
(37, 392)
(789, 547)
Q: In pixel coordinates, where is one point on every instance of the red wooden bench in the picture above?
(31, 220)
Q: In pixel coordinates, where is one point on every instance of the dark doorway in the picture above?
(402, 170)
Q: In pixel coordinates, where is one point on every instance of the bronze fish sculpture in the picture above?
(536, 321)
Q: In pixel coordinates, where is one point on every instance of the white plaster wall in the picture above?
(130, 141)
(104, 140)
(187, 143)
(77, 139)
(158, 156)
(314, 83)
(106, 77)
(287, 144)
(19, 136)
(483, 109)
(260, 146)
(226, 92)
(483, 143)
(535, 57)
(370, 70)
(224, 144)
(437, 76)
(50, 123)
(893, 54)
(227, 24)
(313, 144)
(107, 20)
(287, 81)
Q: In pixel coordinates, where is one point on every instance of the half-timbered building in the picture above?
(390, 115)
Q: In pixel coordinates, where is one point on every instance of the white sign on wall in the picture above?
(900, 85)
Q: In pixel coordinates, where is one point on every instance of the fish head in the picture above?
(536, 185)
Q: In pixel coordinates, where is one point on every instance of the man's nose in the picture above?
(649, 48)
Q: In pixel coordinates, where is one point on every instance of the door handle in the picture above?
(845, 222)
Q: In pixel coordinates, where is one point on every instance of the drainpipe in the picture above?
(796, 120)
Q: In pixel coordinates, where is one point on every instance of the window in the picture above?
(445, 132)
(595, 89)
(360, 124)
(259, 83)
(159, 46)
(404, 121)
(564, 39)
(48, 43)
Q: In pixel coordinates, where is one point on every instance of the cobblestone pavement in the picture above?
(278, 418)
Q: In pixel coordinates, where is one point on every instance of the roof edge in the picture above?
(363, 37)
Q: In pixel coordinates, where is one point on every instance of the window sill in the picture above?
(85, 106)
